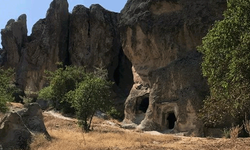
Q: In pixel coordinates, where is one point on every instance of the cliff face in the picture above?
(87, 37)
(160, 39)
(151, 45)
(14, 37)
(46, 46)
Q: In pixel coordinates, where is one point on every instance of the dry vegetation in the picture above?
(66, 135)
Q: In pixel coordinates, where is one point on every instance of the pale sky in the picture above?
(36, 9)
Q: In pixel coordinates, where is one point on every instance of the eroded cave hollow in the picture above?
(144, 105)
(171, 120)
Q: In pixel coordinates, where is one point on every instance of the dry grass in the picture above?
(66, 135)
(234, 132)
(246, 124)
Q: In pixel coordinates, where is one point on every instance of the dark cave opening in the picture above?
(171, 120)
(144, 105)
(117, 76)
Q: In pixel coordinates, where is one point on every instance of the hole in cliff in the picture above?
(144, 105)
(171, 120)
(117, 76)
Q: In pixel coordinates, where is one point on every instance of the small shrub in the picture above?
(226, 133)
(246, 124)
(234, 132)
(7, 88)
(113, 112)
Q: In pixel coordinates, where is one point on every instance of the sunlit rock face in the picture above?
(160, 39)
(149, 50)
(94, 41)
(86, 37)
(14, 37)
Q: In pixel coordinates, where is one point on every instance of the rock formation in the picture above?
(47, 45)
(14, 37)
(160, 39)
(94, 41)
(18, 127)
(150, 46)
(87, 37)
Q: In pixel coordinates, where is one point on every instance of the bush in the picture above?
(226, 65)
(6, 88)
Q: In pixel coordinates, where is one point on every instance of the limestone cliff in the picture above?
(87, 37)
(160, 39)
(151, 45)
(14, 37)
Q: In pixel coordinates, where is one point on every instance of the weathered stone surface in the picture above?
(153, 38)
(156, 38)
(18, 127)
(87, 37)
(48, 45)
(14, 133)
(1, 56)
(94, 41)
(160, 39)
(14, 37)
(33, 119)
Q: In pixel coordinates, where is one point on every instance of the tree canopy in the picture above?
(72, 87)
(226, 64)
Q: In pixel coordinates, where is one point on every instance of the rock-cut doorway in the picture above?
(171, 120)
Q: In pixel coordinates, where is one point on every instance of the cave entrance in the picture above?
(144, 105)
(171, 120)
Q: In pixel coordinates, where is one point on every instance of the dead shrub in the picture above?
(234, 132)
(39, 140)
(246, 124)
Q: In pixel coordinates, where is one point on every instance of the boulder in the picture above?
(18, 127)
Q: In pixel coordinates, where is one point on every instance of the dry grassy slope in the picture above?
(66, 135)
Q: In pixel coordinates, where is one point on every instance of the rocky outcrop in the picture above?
(160, 39)
(87, 37)
(152, 42)
(94, 41)
(47, 45)
(14, 37)
(18, 127)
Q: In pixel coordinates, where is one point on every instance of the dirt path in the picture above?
(58, 115)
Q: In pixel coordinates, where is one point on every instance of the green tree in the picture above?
(62, 81)
(6, 88)
(91, 95)
(226, 65)
(73, 87)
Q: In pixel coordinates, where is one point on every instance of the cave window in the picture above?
(144, 105)
(171, 120)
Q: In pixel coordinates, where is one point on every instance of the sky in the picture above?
(36, 9)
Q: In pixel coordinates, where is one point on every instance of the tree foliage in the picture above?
(73, 87)
(226, 64)
(6, 88)
(62, 81)
(91, 95)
